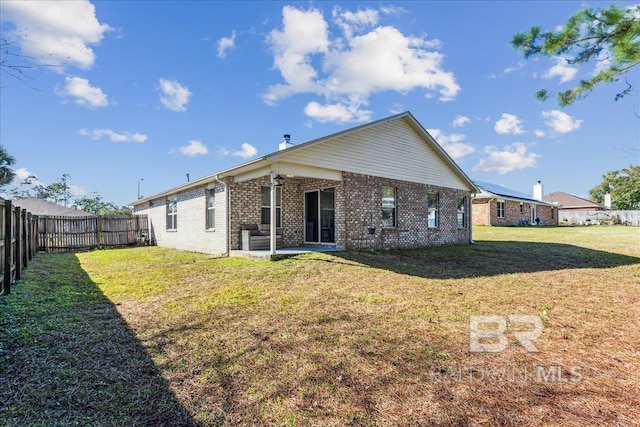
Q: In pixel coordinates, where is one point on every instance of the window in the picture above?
(388, 207)
(266, 206)
(433, 201)
(551, 213)
(462, 212)
(172, 213)
(521, 207)
(500, 209)
(211, 208)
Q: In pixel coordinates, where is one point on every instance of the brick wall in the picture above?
(363, 204)
(515, 213)
(191, 233)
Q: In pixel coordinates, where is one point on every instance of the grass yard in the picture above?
(153, 336)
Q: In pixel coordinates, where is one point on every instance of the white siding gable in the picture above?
(392, 149)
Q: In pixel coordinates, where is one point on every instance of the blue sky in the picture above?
(122, 91)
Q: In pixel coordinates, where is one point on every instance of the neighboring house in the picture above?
(44, 207)
(386, 184)
(498, 205)
(570, 203)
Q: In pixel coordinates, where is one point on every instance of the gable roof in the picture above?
(294, 154)
(566, 200)
(489, 190)
(44, 207)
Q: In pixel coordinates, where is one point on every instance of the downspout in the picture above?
(226, 193)
(471, 197)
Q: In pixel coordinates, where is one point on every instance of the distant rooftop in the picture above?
(44, 207)
(567, 200)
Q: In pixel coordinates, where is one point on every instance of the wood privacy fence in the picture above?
(18, 242)
(65, 233)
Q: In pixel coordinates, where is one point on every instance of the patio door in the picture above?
(534, 214)
(319, 216)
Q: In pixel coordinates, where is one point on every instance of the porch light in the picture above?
(276, 180)
(289, 175)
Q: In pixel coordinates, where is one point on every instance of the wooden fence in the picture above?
(18, 242)
(64, 233)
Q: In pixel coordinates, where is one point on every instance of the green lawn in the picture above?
(153, 336)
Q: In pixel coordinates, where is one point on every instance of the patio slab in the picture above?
(283, 252)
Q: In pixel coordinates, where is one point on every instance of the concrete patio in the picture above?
(283, 252)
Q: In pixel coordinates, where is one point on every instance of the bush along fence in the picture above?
(66, 233)
(18, 242)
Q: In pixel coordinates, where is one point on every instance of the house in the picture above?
(576, 210)
(498, 205)
(44, 207)
(570, 203)
(385, 184)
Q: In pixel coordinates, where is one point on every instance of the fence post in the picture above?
(18, 253)
(8, 220)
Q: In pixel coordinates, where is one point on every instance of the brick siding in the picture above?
(485, 212)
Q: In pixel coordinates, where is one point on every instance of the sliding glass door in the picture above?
(319, 216)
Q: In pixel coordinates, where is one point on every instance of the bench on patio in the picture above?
(258, 237)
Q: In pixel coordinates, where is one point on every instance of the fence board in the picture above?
(60, 233)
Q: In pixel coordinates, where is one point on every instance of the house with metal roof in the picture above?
(499, 205)
(385, 184)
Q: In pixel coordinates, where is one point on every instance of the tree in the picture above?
(95, 204)
(610, 36)
(6, 161)
(624, 187)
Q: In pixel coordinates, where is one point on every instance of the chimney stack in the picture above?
(286, 142)
(538, 193)
(607, 200)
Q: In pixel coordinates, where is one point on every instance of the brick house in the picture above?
(386, 184)
(498, 205)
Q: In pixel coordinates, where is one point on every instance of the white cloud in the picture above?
(346, 70)
(76, 190)
(603, 60)
(55, 33)
(540, 133)
(511, 157)
(247, 150)
(175, 96)
(22, 174)
(509, 124)
(113, 135)
(514, 68)
(194, 148)
(452, 143)
(562, 69)
(85, 95)
(460, 121)
(226, 43)
(337, 113)
(560, 122)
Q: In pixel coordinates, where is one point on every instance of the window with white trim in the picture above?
(211, 208)
(501, 209)
(388, 207)
(172, 213)
(433, 201)
(462, 212)
(265, 214)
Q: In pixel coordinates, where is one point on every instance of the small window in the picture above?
(265, 216)
(462, 212)
(172, 213)
(388, 207)
(501, 209)
(211, 208)
(551, 213)
(521, 207)
(433, 201)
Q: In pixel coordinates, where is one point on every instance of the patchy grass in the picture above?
(342, 339)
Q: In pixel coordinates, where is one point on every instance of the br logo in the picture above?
(487, 332)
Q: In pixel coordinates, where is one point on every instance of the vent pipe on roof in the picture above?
(538, 193)
(286, 142)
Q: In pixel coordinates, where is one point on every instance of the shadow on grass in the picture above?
(68, 358)
(488, 258)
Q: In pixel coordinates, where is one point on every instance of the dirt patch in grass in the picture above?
(361, 339)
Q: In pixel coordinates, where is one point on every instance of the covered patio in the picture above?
(283, 252)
